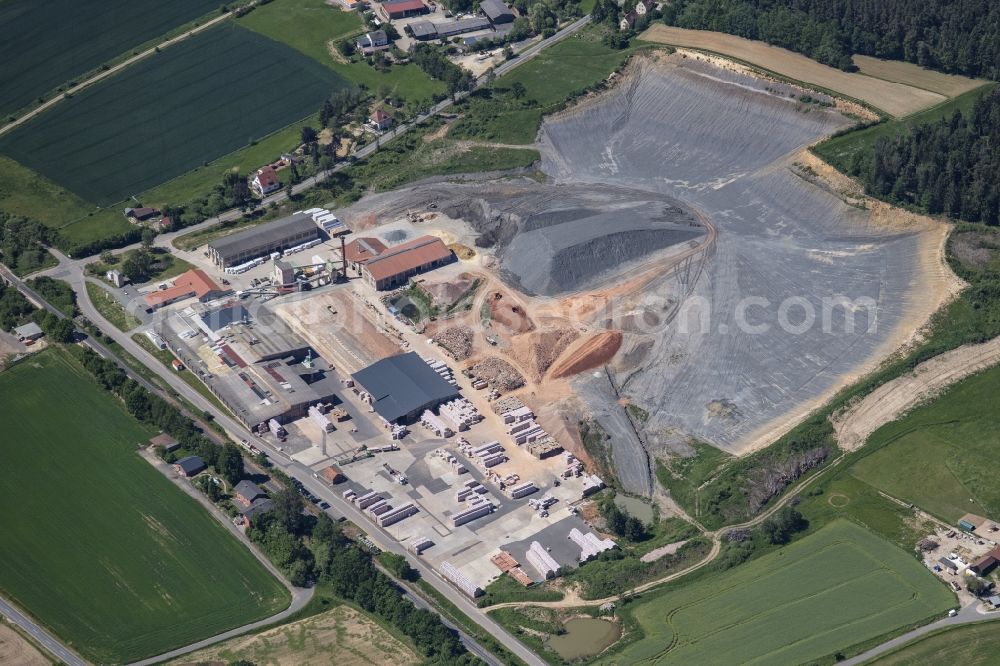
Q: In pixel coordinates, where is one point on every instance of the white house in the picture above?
(644, 6)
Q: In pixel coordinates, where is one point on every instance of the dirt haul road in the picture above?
(893, 399)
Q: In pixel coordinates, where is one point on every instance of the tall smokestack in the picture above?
(343, 256)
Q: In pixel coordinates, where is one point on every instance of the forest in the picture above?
(951, 166)
(955, 36)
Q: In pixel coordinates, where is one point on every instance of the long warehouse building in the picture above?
(262, 240)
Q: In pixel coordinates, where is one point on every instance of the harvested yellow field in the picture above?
(950, 85)
(342, 636)
(15, 650)
(896, 99)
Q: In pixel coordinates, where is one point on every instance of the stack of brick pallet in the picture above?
(523, 490)
(442, 369)
(366, 500)
(469, 488)
(590, 544)
(489, 454)
(452, 460)
(542, 561)
(320, 419)
(460, 580)
(418, 545)
(461, 413)
(432, 422)
(591, 484)
(395, 515)
(477, 508)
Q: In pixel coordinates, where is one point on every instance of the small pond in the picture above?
(584, 637)
(635, 507)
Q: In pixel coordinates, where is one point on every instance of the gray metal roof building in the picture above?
(423, 30)
(462, 26)
(264, 239)
(496, 11)
(403, 386)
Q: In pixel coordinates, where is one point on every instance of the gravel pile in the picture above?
(457, 341)
(500, 374)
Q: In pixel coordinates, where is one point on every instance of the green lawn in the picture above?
(833, 589)
(840, 150)
(110, 308)
(945, 456)
(165, 265)
(47, 44)
(682, 475)
(971, 645)
(310, 26)
(102, 548)
(194, 102)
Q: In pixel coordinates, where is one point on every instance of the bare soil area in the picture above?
(340, 637)
(893, 399)
(590, 352)
(907, 73)
(15, 650)
(896, 99)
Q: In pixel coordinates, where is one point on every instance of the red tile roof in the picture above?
(194, 282)
(361, 250)
(267, 177)
(407, 257)
(380, 116)
(398, 6)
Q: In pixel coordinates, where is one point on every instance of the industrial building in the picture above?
(497, 12)
(397, 9)
(401, 387)
(263, 240)
(194, 283)
(395, 266)
(360, 250)
(425, 30)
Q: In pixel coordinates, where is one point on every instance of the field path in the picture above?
(114, 70)
(893, 399)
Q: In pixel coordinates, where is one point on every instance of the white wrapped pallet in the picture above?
(523, 490)
(320, 419)
(542, 561)
(397, 514)
(460, 580)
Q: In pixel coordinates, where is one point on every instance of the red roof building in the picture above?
(380, 119)
(360, 250)
(266, 181)
(393, 267)
(194, 283)
(398, 9)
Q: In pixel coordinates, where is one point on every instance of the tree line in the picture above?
(951, 166)
(955, 36)
(314, 550)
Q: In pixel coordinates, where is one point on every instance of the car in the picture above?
(324, 505)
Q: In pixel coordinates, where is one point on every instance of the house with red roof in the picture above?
(380, 120)
(265, 181)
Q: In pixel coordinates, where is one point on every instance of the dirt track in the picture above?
(895, 398)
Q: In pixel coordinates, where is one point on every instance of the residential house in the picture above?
(380, 120)
(190, 466)
(259, 506)
(370, 42)
(265, 181)
(141, 214)
(644, 7)
(628, 21)
(247, 492)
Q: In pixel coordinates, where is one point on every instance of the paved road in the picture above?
(967, 615)
(44, 638)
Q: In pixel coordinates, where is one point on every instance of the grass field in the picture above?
(352, 636)
(311, 26)
(942, 456)
(194, 102)
(103, 549)
(908, 73)
(833, 589)
(840, 150)
(47, 44)
(971, 645)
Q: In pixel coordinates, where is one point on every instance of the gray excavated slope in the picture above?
(719, 141)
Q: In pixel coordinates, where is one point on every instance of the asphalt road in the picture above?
(44, 638)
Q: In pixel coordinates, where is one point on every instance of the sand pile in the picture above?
(590, 352)
(500, 374)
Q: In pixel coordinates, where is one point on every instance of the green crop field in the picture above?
(971, 645)
(314, 27)
(98, 545)
(833, 589)
(943, 456)
(840, 150)
(47, 44)
(164, 116)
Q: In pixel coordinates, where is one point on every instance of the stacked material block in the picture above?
(480, 509)
(397, 514)
(460, 580)
(320, 419)
(432, 422)
(542, 561)
(418, 545)
(442, 369)
(523, 490)
(461, 413)
(590, 544)
(369, 498)
(591, 484)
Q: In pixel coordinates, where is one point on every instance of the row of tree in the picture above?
(437, 66)
(15, 310)
(958, 36)
(950, 167)
(311, 549)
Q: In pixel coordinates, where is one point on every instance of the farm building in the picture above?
(422, 30)
(360, 250)
(265, 181)
(370, 42)
(28, 332)
(191, 284)
(398, 9)
(247, 492)
(190, 466)
(396, 265)
(401, 387)
(263, 240)
(168, 443)
(141, 214)
(497, 12)
(380, 120)
(986, 563)
(425, 30)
